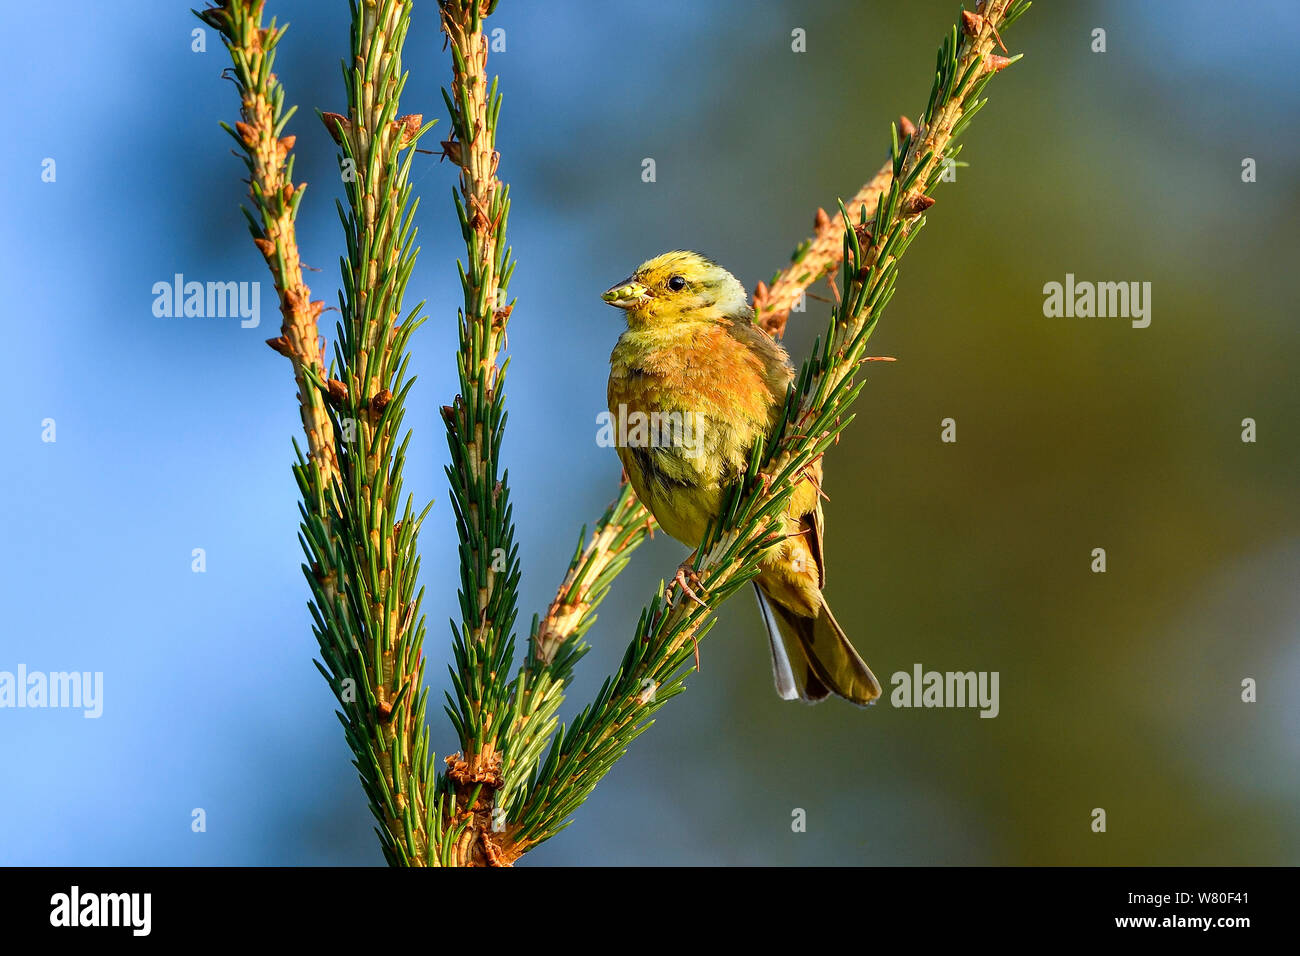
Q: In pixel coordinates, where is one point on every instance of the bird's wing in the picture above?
(777, 373)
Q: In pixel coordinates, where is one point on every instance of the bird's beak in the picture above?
(627, 294)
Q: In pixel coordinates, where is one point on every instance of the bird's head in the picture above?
(678, 286)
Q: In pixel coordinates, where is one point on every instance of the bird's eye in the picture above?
(677, 283)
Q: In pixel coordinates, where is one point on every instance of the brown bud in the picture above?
(407, 127)
(451, 149)
(917, 204)
(246, 134)
(906, 127)
(337, 125)
(865, 239)
(971, 23)
(760, 294)
(993, 63)
(821, 220)
(286, 144)
(266, 247)
(281, 345)
(337, 391)
(379, 402)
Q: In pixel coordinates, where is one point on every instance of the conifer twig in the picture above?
(371, 634)
(489, 563)
(372, 639)
(623, 526)
(269, 158)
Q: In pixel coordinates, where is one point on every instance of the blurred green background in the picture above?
(1119, 690)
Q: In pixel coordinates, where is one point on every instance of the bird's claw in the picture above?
(684, 578)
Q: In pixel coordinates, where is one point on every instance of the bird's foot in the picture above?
(686, 576)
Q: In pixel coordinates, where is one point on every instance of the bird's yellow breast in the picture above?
(694, 400)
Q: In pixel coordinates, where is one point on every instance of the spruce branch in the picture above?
(371, 635)
(483, 644)
(623, 526)
(269, 158)
(816, 411)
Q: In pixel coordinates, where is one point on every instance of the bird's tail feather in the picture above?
(812, 658)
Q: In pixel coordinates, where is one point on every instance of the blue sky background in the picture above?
(1118, 691)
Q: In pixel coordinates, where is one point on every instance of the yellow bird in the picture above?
(693, 383)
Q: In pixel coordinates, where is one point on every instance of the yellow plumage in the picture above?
(693, 361)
